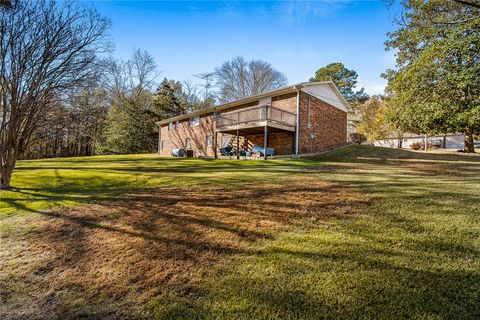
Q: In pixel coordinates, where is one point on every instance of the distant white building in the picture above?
(449, 141)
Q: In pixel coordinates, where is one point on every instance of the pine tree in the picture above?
(169, 100)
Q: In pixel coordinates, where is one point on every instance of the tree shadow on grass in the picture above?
(392, 263)
(94, 184)
(348, 283)
(97, 181)
(109, 260)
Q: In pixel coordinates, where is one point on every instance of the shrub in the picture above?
(416, 146)
(358, 138)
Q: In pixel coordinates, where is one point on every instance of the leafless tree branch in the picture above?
(470, 3)
(239, 78)
(46, 49)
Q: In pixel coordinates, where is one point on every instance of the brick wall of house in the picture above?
(287, 102)
(323, 127)
(176, 137)
(282, 141)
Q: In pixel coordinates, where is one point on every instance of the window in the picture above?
(209, 141)
(177, 125)
(162, 145)
(170, 126)
(194, 121)
(188, 144)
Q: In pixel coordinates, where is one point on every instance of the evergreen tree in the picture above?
(130, 127)
(345, 79)
(169, 100)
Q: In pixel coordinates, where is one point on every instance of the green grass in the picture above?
(414, 252)
(43, 184)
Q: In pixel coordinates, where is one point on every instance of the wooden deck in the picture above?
(255, 127)
(254, 120)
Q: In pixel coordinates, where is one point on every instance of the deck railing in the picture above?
(256, 114)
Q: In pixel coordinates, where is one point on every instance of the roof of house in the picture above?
(236, 103)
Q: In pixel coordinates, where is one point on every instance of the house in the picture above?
(303, 118)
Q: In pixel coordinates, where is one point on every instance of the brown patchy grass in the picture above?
(108, 260)
(442, 169)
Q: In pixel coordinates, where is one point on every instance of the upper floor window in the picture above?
(194, 121)
(170, 126)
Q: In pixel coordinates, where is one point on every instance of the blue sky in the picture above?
(296, 37)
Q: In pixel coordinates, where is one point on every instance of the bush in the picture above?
(358, 138)
(416, 146)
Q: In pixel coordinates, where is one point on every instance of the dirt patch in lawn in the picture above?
(108, 260)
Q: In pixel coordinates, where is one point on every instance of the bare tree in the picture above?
(46, 48)
(239, 78)
(198, 97)
(208, 97)
(74, 126)
(127, 79)
(130, 125)
(87, 111)
(6, 4)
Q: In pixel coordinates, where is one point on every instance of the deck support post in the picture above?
(159, 139)
(238, 144)
(215, 143)
(265, 141)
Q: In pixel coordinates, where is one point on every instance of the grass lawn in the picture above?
(357, 233)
